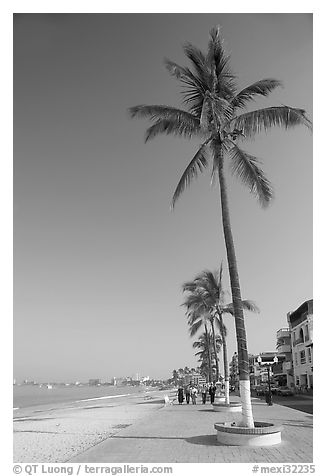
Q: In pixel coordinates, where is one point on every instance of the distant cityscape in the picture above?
(290, 365)
(135, 380)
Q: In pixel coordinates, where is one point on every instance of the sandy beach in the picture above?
(55, 435)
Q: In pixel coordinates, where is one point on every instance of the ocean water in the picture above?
(30, 395)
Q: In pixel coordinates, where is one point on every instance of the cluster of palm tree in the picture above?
(179, 375)
(205, 309)
(215, 112)
(209, 366)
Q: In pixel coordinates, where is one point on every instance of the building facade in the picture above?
(263, 364)
(194, 379)
(301, 330)
(283, 370)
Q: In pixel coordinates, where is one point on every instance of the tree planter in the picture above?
(223, 407)
(264, 434)
(219, 399)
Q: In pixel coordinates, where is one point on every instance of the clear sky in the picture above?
(99, 258)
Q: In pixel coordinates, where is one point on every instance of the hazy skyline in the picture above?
(99, 259)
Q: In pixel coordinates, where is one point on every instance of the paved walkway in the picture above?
(185, 434)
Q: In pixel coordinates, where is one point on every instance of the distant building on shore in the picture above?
(93, 382)
(194, 379)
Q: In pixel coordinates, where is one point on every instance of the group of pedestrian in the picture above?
(192, 392)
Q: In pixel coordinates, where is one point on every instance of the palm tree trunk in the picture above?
(247, 418)
(225, 362)
(209, 355)
(215, 351)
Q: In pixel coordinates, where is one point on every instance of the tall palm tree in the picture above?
(215, 112)
(211, 287)
(198, 315)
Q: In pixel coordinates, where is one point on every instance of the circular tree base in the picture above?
(264, 434)
(233, 407)
(219, 399)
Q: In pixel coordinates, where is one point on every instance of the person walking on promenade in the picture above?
(211, 391)
(194, 393)
(187, 392)
(203, 394)
(180, 395)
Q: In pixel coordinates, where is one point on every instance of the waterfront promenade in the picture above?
(185, 434)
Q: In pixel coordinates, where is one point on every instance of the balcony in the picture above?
(277, 369)
(283, 348)
(284, 332)
(287, 366)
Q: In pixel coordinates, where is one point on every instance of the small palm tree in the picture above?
(215, 112)
(175, 376)
(204, 344)
(198, 315)
(210, 285)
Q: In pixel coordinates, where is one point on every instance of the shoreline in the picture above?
(31, 396)
(56, 435)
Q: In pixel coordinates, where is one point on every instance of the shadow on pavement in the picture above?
(297, 423)
(99, 406)
(146, 402)
(204, 440)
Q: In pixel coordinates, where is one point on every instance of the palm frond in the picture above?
(260, 88)
(178, 128)
(193, 301)
(201, 354)
(159, 112)
(253, 122)
(195, 327)
(251, 306)
(246, 304)
(222, 79)
(198, 164)
(210, 282)
(246, 167)
(179, 72)
(198, 61)
(189, 286)
(222, 109)
(185, 75)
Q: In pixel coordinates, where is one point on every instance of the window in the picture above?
(309, 355)
(302, 357)
(297, 381)
(307, 332)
